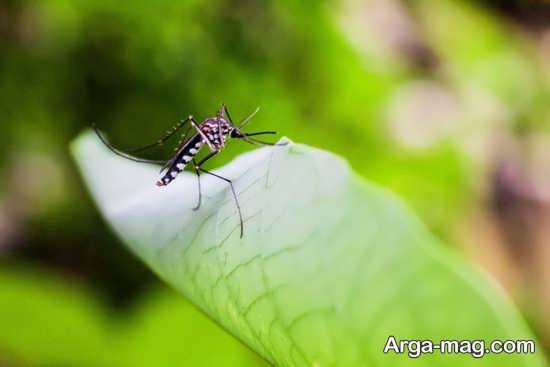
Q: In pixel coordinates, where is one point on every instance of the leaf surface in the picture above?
(329, 266)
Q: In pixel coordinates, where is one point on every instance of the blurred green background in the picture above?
(445, 102)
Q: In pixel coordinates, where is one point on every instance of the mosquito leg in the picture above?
(224, 113)
(201, 133)
(196, 167)
(161, 141)
(198, 173)
(232, 190)
(122, 154)
(259, 142)
(165, 138)
(208, 156)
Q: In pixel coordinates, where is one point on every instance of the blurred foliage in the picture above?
(46, 321)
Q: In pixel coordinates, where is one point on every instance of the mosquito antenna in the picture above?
(247, 120)
(260, 133)
(259, 142)
(122, 154)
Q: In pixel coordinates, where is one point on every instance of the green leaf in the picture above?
(329, 266)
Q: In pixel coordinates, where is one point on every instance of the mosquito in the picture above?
(213, 133)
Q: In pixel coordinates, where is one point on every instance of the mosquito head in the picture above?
(236, 133)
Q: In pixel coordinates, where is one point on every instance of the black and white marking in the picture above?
(184, 155)
(213, 132)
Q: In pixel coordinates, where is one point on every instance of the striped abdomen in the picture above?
(183, 157)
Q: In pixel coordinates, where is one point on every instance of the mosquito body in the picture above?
(212, 133)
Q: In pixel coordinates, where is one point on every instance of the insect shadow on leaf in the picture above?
(213, 133)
